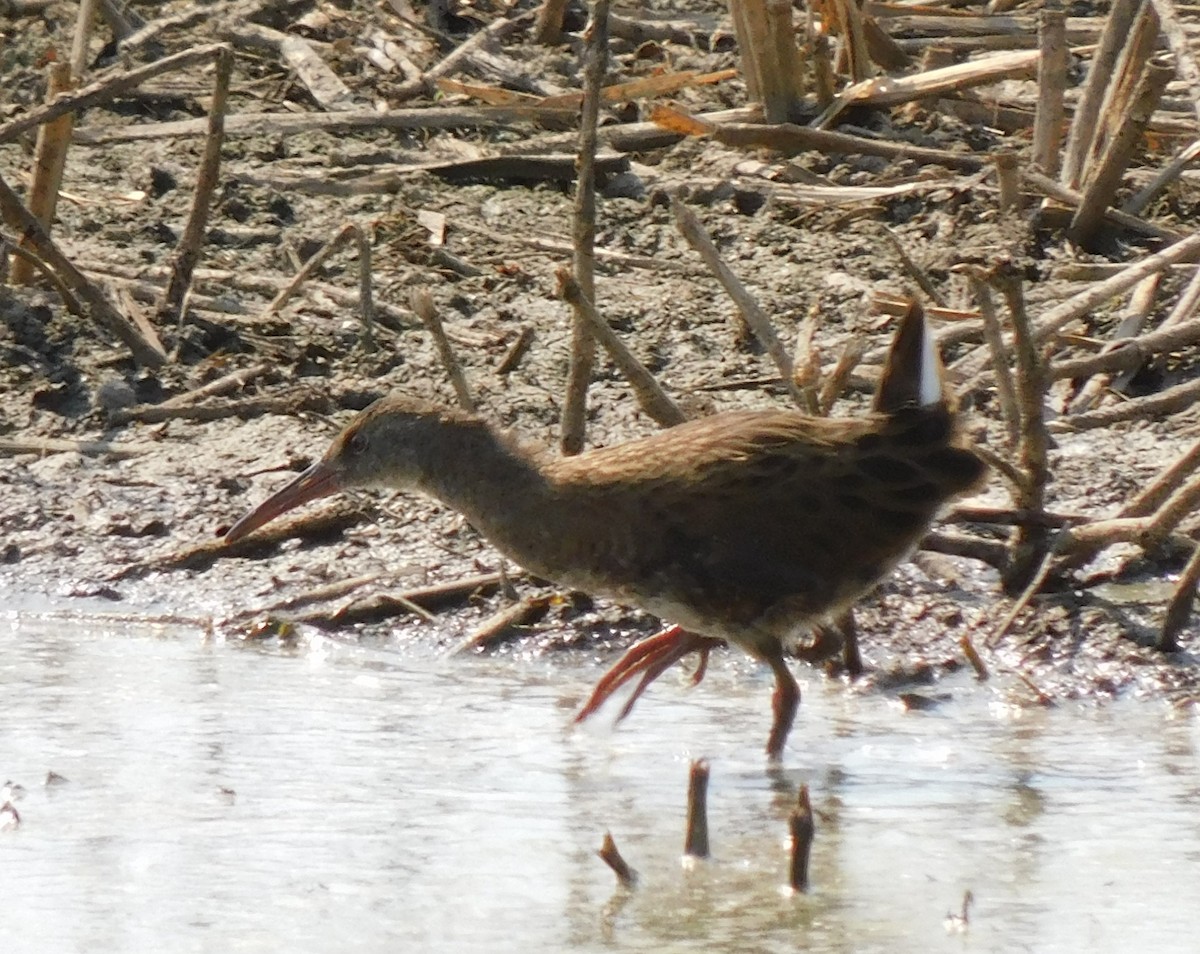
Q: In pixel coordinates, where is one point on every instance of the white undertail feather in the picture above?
(930, 389)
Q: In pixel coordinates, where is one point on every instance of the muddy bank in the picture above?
(130, 529)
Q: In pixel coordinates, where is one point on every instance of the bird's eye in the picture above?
(358, 443)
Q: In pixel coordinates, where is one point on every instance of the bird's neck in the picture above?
(483, 474)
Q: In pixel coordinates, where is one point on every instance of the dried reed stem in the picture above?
(583, 344)
(421, 303)
(608, 853)
(1052, 84)
(802, 829)
(695, 840)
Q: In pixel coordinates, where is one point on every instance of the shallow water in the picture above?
(223, 797)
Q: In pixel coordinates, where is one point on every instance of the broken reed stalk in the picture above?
(1008, 178)
(421, 303)
(1129, 354)
(1110, 166)
(106, 90)
(187, 255)
(770, 60)
(1186, 65)
(1119, 217)
(802, 828)
(1029, 543)
(1133, 317)
(626, 876)
(500, 625)
(1174, 399)
(973, 657)
(141, 341)
(756, 319)
(994, 336)
(806, 361)
(1179, 609)
(1165, 484)
(84, 20)
(1096, 294)
(49, 159)
(912, 269)
(1052, 85)
(1169, 173)
(1083, 126)
(366, 307)
(583, 344)
(835, 382)
(695, 841)
(652, 398)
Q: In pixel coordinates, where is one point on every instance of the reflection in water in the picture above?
(354, 799)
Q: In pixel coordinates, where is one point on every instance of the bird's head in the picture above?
(387, 445)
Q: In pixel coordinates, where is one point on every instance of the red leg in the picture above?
(784, 704)
(649, 659)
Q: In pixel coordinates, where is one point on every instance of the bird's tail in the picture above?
(913, 376)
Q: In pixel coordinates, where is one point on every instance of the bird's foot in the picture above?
(649, 659)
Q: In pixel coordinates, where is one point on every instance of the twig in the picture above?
(41, 446)
(650, 395)
(1168, 174)
(973, 657)
(326, 88)
(756, 319)
(365, 299)
(1008, 178)
(1179, 609)
(1005, 389)
(911, 268)
(105, 90)
(626, 876)
(802, 828)
(421, 302)
(1029, 542)
(1153, 407)
(695, 842)
(770, 60)
(583, 343)
(1120, 217)
(1132, 318)
(835, 381)
(494, 32)
(84, 21)
(499, 625)
(146, 350)
(516, 351)
(187, 255)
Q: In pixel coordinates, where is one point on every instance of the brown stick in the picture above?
(187, 255)
(650, 396)
(1005, 390)
(49, 158)
(973, 657)
(756, 319)
(695, 841)
(84, 21)
(1029, 544)
(626, 876)
(422, 303)
(583, 344)
(802, 828)
(1008, 177)
(1133, 316)
(105, 90)
(1179, 610)
(500, 625)
(145, 350)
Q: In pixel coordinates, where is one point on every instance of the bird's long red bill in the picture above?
(320, 480)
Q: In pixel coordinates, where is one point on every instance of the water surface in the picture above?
(231, 798)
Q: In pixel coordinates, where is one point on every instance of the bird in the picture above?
(742, 527)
